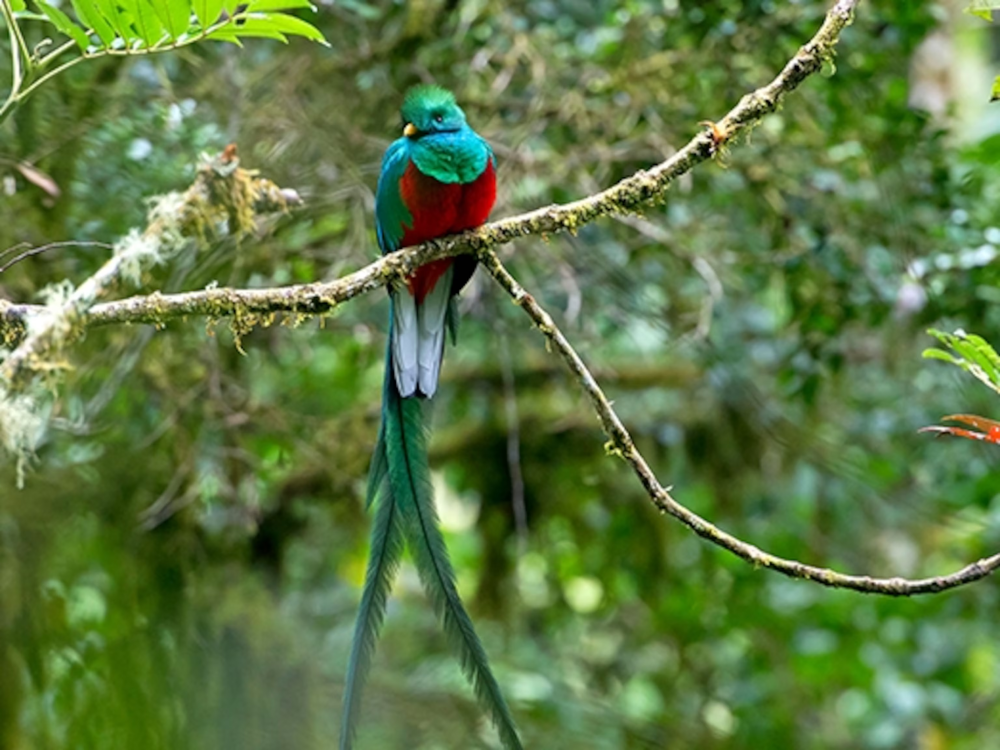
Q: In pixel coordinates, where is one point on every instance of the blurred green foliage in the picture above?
(183, 567)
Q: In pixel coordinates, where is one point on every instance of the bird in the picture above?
(437, 179)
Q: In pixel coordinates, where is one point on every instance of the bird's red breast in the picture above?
(439, 209)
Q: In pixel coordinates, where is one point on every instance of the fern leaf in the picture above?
(119, 22)
(975, 355)
(63, 22)
(207, 11)
(145, 21)
(175, 15)
(264, 6)
(89, 12)
(232, 32)
(292, 25)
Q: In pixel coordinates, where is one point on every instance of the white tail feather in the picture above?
(431, 326)
(405, 342)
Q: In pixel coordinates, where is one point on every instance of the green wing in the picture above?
(391, 214)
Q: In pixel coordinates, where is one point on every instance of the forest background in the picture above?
(183, 563)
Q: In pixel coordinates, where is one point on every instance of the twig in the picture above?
(44, 248)
(620, 443)
(19, 54)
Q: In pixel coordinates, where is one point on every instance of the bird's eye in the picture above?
(438, 118)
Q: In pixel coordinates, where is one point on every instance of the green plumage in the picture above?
(399, 487)
(383, 561)
(412, 489)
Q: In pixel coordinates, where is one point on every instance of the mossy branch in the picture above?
(224, 200)
(641, 189)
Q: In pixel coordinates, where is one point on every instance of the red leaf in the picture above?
(990, 429)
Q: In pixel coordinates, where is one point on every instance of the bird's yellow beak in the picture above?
(410, 130)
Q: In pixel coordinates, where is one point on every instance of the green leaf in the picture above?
(976, 356)
(289, 25)
(995, 92)
(973, 351)
(145, 20)
(263, 6)
(251, 27)
(175, 15)
(942, 355)
(17, 5)
(119, 22)
(983, 8)
(208, 11)
(90, 13)
(64, 24)
(225, 35)
(982, 347)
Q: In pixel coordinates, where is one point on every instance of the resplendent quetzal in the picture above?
(438, 179)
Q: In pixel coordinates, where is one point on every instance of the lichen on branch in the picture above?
(224, 200)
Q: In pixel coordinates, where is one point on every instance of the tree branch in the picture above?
(640, 189)
(621, 444)
(223, 200)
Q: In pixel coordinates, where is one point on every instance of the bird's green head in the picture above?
(430, 109)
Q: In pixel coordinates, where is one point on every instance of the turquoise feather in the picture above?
(391, 214)
(456, 153)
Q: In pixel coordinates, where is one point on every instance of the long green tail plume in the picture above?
(410, 485)
(378, 469)
(383, 561)
(400, 488)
